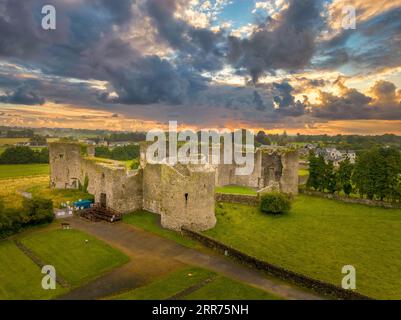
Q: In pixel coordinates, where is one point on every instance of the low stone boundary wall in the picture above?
(299, 279)
(371, 203)
(238, 198)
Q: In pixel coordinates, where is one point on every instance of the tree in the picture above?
(389, 179)
(364, 177)
(18, 155)
(330, 177)
(24, 155)
(262, 138)
(118, 153)
(344, 176)
(316, 172)
(377, 173)
(102, 152)
(283, 139)
(42, 156)
(28, 133)
(313, 181)
(37, 140)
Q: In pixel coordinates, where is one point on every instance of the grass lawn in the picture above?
(150, 222)
(58, 195)
(23, 170)
(20, 278)
(236, 190)
(223, 288)
(318, 237)
(9, 188)
(167, 286)
(38, 186)
(12, 141)
(77, 261)
(219, 288)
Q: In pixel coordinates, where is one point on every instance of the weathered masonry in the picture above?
(275, 169)
(182, 195)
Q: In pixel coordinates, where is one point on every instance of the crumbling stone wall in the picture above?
(289, 177)
(65, 165)
(69, 167)
(122, 190)
(182, 195)
(274, 167)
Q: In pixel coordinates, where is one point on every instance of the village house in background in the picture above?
(329, 154)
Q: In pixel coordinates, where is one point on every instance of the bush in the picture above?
(124, 153)
(275, 203)
(24, 155)
(38, 210)
(33, 212)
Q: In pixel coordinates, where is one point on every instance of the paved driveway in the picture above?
(153, 256)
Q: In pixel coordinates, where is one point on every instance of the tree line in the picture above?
(121, 153)
(24, 155)
(376, 174)
(33, 212)
(25, 133)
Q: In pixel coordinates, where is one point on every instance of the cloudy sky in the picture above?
(136, 64)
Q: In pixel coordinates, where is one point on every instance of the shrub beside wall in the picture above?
(275, 203)
(33, 212)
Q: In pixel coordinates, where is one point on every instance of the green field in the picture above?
(20, 278)
(10, 188)
(23, 170)
(318, 237)
(58, 196)
(75, 259)
(39, 187)
(236, 190)
(218, 288)
(223, 288)
(12, 141)
(150, 222)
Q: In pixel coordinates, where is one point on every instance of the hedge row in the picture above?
(33, 212)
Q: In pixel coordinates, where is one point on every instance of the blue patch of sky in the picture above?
(237, 12)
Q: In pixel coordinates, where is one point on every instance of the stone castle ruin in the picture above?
(275, 169)
(183, 195)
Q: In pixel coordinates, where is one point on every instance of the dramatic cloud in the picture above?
(378, 44)
(286, 43)
(384, 103)
(22, 95)
(198, 47)
(220, 61)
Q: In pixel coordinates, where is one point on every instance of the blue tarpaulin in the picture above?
(83, 204)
